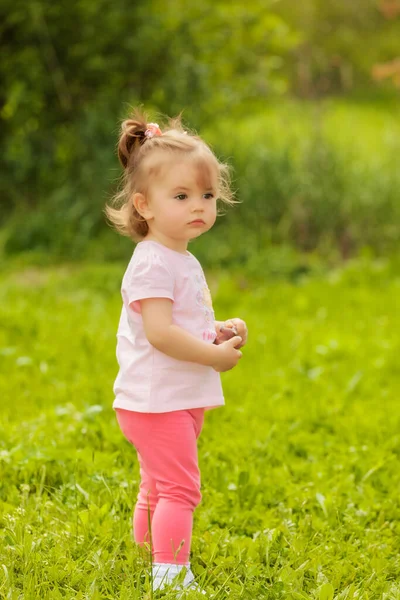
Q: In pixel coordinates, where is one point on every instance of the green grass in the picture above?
(369, 129)
(300, 470)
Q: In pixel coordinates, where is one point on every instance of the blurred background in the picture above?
(301, 99)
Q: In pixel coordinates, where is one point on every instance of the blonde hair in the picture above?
(134, 148)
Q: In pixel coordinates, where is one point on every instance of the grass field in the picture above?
(300, 470)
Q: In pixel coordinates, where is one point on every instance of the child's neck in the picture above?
(177, 245)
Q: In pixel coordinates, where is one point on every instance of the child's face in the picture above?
(182, 202)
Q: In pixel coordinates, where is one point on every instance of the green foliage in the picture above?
(312, 177)
(299, 470)
(315, 176)
(70, 71)
(341, 42)
(224, 60)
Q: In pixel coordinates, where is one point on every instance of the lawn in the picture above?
(300, 470)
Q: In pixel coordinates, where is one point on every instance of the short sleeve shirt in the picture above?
(149, 380)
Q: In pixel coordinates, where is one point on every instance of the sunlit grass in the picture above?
(299, 471)
(369, 129)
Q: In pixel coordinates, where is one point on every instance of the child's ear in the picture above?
(141, 204)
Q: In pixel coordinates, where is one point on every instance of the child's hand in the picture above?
(226, 330)
(227, 355)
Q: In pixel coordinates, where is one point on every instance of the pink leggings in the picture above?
(166, 445)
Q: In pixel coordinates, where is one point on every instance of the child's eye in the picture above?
(208, 196)
(181, 196)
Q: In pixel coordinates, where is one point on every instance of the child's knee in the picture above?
(196, 498)
(188, 496)
(191, 499)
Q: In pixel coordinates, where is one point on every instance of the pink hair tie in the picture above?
(152, 130)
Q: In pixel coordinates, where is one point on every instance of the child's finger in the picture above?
(236, 342)
(228, 328)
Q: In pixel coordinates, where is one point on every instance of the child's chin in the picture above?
(195, 235)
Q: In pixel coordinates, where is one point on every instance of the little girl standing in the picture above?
(170, 349)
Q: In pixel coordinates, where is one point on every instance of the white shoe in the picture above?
(189, 583)
(165, 574)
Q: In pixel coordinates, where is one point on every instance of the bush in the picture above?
(312, 177)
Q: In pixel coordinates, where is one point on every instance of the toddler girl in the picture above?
(170, 349)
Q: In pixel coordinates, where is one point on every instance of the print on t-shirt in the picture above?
(203, 299)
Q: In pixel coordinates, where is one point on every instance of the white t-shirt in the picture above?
(149, 380)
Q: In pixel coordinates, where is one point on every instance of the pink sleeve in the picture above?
(148, 277)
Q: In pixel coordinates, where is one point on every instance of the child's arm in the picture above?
(180, 344)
